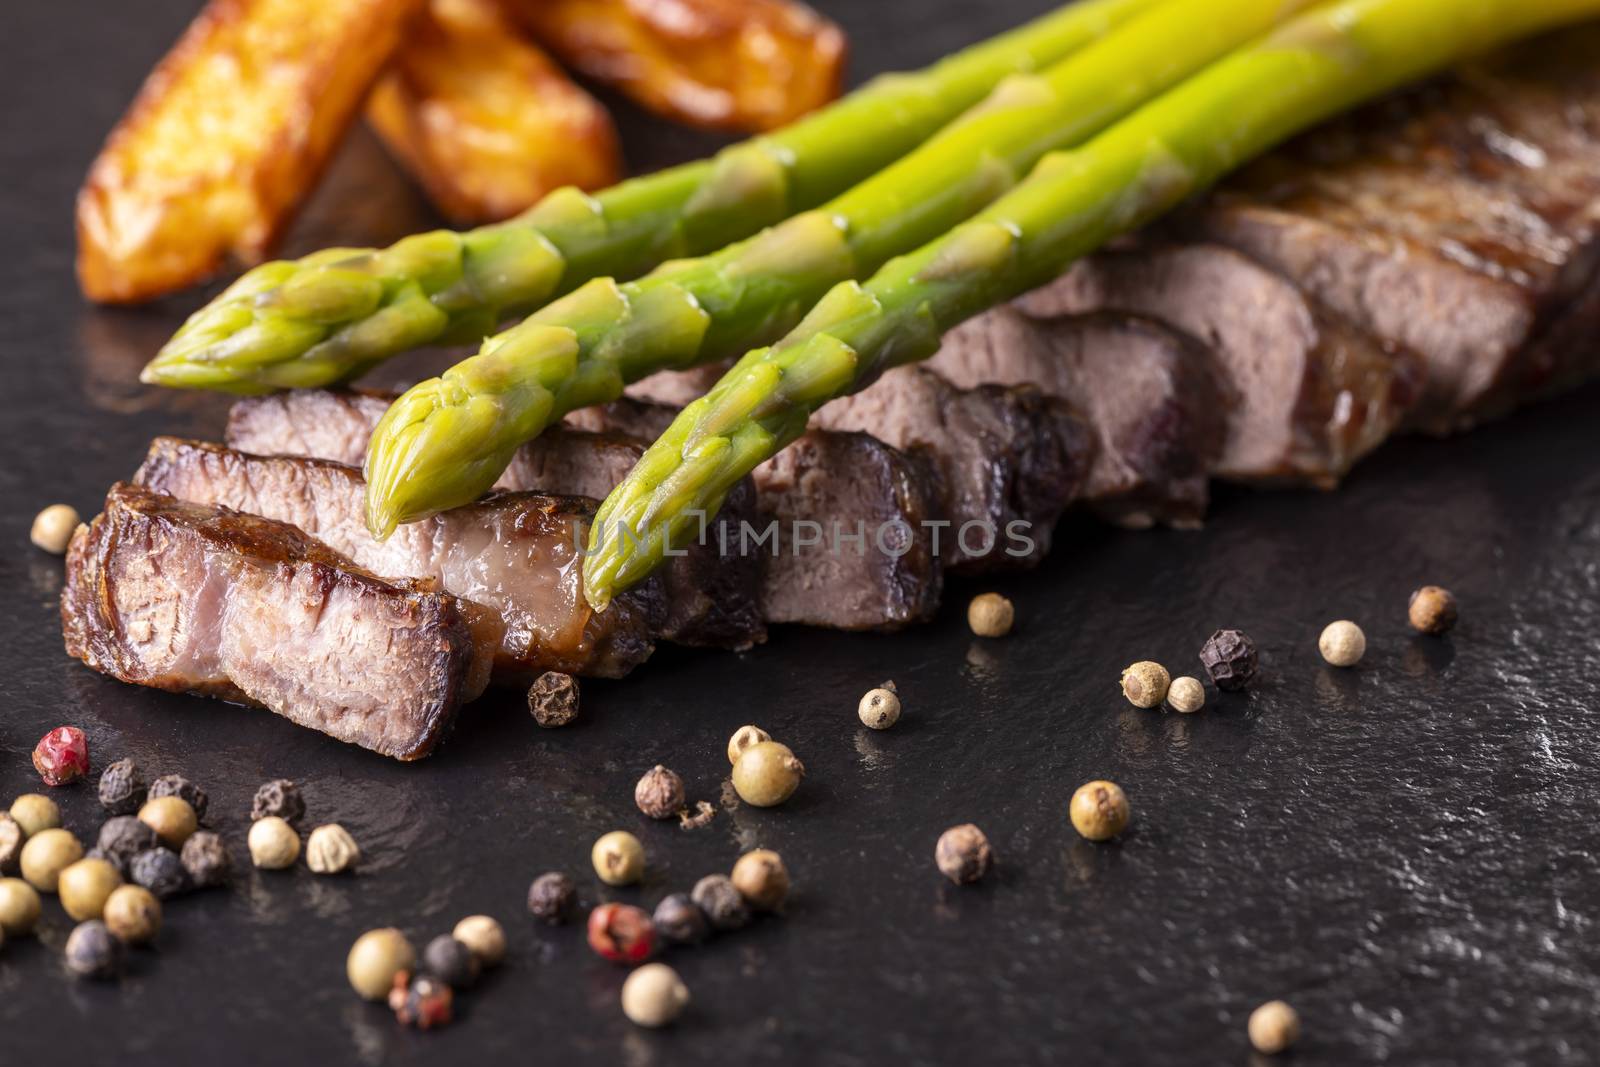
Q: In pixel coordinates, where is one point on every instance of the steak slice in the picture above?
(1306, 393)
(678, 388)
(832, 486)
(516, 554)
(1459, 220)
(198, 599)
(1150, 392)
(712, 600)
(1011, 458)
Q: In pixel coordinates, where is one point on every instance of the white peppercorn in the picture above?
(375, 958)
(1186, 695)
(35, 812)
(484, 936)
(767, 774)
(171, 818)
(12, 839)
(654, 995)
(1273, 1027)
(761, 878)
(330, 849)
(880, 708)
(659, 794)
(1342, 643)
(46, 854)
(1432, 610)
(743, 738)
(19, 907)
(618, 858)
(1099, 810)
(963, 854)
(273, 844)
(991, 615)
(132, 914)
(84, 887)
(53, 527)
(1145, 684)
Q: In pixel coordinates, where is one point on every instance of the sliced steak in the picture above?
(517, 554)
(1011, 458)
(644, 419)
(816, 496)
(677, 388)
(1150, 392)
(711, 600)
(201, 599)
(1459, 219)
(1306, 394)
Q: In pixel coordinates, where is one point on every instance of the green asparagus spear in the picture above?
(446, 440)
(1313, 67)
(333, 315)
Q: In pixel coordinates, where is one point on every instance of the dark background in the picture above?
(1404, 851)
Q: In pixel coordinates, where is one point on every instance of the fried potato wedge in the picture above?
(225, 139)
(725, 64)
(485, 121)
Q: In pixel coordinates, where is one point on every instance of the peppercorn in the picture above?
(990, 615)
(428, 1003)
(680, 921)
(53, 528)
(1186, 695)
(1145, 684)
(722, 902)
(1342, 643)
(46, 855)
(206, 860)
(880, 708)
(331, 850)
(659, 793)
(133, 914)
(11, 841)
(618, 858)
(963, 854)
(35, 812)
(767, 774)
(1099, 810)
(1273, 1027)
(273, 844)
(552, 897)
(160, 871)
(92, 952)
(84, 887)
(122, 838)
(450, 961)
(374, 960)
(279, 797)
(1229, 657)
(484, 936)
(745, 737)
(19, 907)
(761, 878)
(171, 818)
(61, 756)
(122, 788)
(553, 699)
(176, 785)
(622, 933)
(654, 995)
(1432, 610)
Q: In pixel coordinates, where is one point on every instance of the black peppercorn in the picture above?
(279, 797)
(176, 785)
(680, 920)
(122, 838)
(450, 961)
(552, 897)
(205, 859)
(122, 788)
(92, 952)
(160, 871)
(11, 841)
(1229, 657)
(427, 1003)
(553, 699)
(722, 902)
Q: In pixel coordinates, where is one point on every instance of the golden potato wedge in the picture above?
(485, 121)
(724, 64)
(226, 137)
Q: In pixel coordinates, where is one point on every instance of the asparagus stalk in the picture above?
(1319, 64)
(446, 440)
(335, 314)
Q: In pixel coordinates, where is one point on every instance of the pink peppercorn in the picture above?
(622, 933)
(62, 756)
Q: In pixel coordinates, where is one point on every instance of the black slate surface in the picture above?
(1405, 851)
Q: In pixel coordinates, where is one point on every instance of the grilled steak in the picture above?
(1459, 219)
(1306, 394)
(1011, 458)
(677, 388)
(1149, 391)
(711, 600)
(846, 484)
(516, 554)
(200, 599)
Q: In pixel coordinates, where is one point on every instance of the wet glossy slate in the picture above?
(1405, 851)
